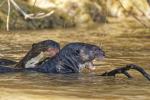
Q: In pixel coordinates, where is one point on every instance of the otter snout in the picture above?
(99, 54)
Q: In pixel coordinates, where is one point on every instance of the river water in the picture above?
(122, 43)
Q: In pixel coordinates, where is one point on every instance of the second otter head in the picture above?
(39, 52)
(49, 47)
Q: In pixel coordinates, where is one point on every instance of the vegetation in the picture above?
(72, 13)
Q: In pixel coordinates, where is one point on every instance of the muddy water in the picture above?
(122, 45)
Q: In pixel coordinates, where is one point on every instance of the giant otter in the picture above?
(37, 53)
(76, 56)
(72, 58)
(7, 62)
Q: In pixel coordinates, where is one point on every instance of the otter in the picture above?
(72, 58)
(38, 52)
(7, 62)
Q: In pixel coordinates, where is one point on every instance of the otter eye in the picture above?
(76, 52)
(94, 49)
(44, 48)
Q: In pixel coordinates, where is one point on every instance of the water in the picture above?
(122, 44)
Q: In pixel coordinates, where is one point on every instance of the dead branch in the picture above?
(124, 69)
(8, 16)
(135, 17)
(31, 16)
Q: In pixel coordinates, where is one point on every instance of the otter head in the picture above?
(48, 47)
(89, 53)
(76, 56)
(38, 53)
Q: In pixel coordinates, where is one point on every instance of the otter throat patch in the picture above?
(32, 62)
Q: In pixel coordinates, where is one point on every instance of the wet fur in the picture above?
(70, 59)
(34, 55)
(35, 51)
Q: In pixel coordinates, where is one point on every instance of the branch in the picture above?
(135, 17)
(124, 70)
(8, 16)
(31, 16)
(38, 15)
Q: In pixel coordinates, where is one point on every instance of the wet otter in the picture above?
(73, 58)
(7, 62)
(76, 56)
(37, 53)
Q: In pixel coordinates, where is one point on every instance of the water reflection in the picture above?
(73, 86)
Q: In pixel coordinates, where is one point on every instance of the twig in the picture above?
(38, 15)
(31, 16)
(8, 15)
(34, 3)
(135, 17)
(138, 20)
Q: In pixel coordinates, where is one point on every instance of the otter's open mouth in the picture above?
(91, 66)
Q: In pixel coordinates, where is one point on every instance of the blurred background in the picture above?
(73, 13)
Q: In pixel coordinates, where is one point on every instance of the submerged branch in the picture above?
(123, 70)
